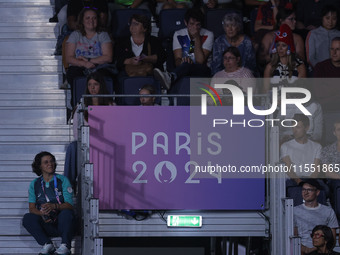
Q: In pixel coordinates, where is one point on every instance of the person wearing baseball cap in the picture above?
(284, 66)
(311, 213)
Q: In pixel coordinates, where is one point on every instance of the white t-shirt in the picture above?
(301, 154)
(181, 40)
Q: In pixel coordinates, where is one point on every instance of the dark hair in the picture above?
(282, 14)
(328, 235)
(80, 24)
(145, 20)
(102, 91)
(336, 39)
(149, 88)
(195, 14)
(303, 118)
(36, 165)
(235, 51)
(327, 9)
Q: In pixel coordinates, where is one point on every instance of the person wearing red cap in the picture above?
(287, 16)
(284, 66)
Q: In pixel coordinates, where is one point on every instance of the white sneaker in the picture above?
(63, 250)
(163, 77)
(47, 249)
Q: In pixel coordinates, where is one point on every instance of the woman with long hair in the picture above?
(287, 16)
(285, 67)
(95, 85)
(88, 47)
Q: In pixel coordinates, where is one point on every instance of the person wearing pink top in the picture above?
(234, 71)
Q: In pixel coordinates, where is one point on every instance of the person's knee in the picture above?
(66, 215)
(29, 219)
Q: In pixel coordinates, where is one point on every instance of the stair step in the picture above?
(26, 245)
(27, 35)
(32, 103)
(32, 81)
(53, 116)
(31, 13)
(34, 148)
(35, 130)
(43, 47)
(29, 62)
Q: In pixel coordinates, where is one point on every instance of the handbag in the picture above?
(144, 69)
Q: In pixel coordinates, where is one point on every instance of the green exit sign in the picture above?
(193, 221)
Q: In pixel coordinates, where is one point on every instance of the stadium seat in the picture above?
(121, 18)
(79, 88)
(214, 19)
(253, 16)
(131, 86)
(170, 20)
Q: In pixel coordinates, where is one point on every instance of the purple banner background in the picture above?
(111, 131)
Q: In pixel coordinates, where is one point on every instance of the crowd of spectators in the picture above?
(287, 41)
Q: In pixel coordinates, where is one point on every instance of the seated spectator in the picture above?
(266, 15)
(233, 27)
(87, 49)
(95, 86)
(131, 4)
(173, 4)
(330, 157)
(50, 206)
(206, 5)
(191, 47)
(315, 129)
(330, 68)
(233, 69)
(318, 40)
(69, 15)
(323, 240)
(147, 89)
(300, 151)
(327, 91)
(139, 53)
(308, 14)
(311, 213)
(266, 19)
(284, 67)
(285, 15)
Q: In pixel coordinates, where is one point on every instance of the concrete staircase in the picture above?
(32, 111)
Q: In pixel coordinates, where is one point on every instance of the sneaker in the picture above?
(63, 250)
(47, 249)
(163, 77)
(54, 19)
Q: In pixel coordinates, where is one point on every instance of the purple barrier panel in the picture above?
(142, 159)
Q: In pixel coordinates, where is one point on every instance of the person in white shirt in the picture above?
(191, 48)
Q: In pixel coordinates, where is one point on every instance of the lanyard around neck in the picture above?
(55, 189)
